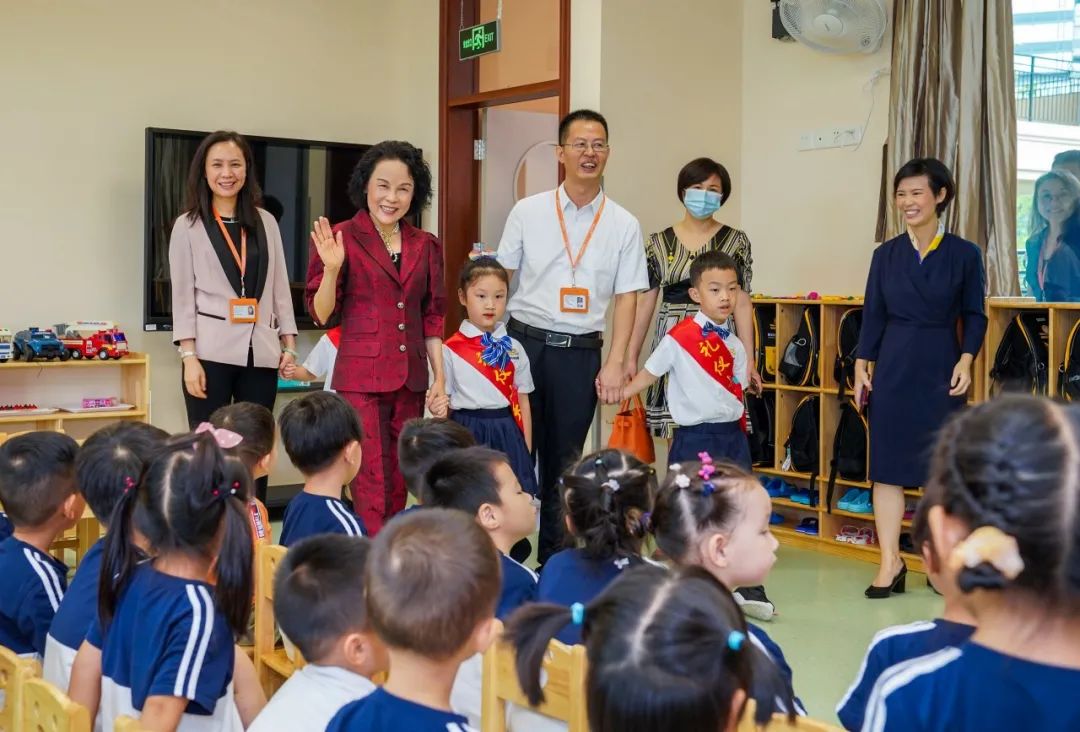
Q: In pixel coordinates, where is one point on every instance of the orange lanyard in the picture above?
(241, 256)
(574, 261)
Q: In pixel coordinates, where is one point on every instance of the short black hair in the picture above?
(422, 442)
(319, 592)
(580, 115)
(392, 150)
(112, 460)
(1068, 157)
(710, 260)
(316, 428)
(479, 267)
(936, 172)
(700, 170)
(37, 474)
(464, 479)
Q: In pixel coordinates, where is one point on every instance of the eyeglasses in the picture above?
(598, 146)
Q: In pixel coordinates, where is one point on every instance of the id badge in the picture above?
(574, 300)
(243, 310)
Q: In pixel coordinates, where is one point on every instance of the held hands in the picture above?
(438, 403)
(331, 248)
(287, 366)
(194, 378)
(610, 382)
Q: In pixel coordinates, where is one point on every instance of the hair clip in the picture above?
(612, 484)
(735, 640)
(991, 545)
(577, 613)
(676, 467)
(707, 470)
(707, 488)
(224, 438)
(129, 483)
(682, 480)
(235, 487)
(645, 522)
(704, 458)
(215, 493)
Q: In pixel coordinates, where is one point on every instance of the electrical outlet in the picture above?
(847, 136)
(806, 141)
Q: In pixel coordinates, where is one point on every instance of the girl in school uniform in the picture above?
(1005, 492)
(606, 499)
(716, 516)
(162, 650)
(487, 372)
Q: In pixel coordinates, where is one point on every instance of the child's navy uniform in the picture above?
(570, 577)
(381, 711)
(518, 586)
(972, 688)
(31, 586)
(6, 529)
(310, 515)
(482, 369)
(167, 639)
(77, 612)
(892, 646)
(768, 646)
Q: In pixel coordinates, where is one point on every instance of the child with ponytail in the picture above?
(716, 516)
(1004, 495)
(667, 650)
(162, 649)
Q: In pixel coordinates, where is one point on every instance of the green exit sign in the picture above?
(478, 40)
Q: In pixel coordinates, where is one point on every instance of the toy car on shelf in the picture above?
(6, 351)
(93, 339)
(35, 343)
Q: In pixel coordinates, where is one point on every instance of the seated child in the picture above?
(605, 499)
(423, 441)
(667, 650)
(257, 450)
(904, 642)
(716, 516)
(706, 369)
(108, 463)
(39, 492)
(320, 362)
(1005, 514)
(319, 604)
(162, 648)
(432, 586)
(321, 434)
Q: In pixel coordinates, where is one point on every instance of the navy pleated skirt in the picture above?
(722, 440)
(496, 428)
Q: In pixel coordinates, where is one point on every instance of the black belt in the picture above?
(556, 340)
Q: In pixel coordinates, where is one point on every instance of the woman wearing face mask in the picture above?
(1053, 250)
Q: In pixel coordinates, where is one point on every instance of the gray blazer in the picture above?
(201, 292)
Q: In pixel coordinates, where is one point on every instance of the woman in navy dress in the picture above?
(922, 284)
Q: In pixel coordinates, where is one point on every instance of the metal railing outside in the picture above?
(1047, 89)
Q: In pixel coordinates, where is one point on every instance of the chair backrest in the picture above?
(124, 723)
(47, 709)
(780, 723)
(564, 687)
(272, 665)
(14, 673)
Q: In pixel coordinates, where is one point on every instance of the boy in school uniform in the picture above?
(38, 491)
(904, 642)
(321, 434)
(433, 581)
(320, 362)
(319, 604)
(423, 441)
(706, 368)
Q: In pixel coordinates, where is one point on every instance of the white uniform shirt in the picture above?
(320, 362)
(532, 243)
(468, 388)
(310, 699)
(693, 396)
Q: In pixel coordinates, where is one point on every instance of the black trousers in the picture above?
(563, 406)
(225, 384)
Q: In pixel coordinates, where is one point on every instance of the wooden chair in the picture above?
(564, 691)
(780, 723)
(14, 673)
(125, 723)
(272, 664)
(47, 709)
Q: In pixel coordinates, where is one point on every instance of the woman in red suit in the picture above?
(383, 279)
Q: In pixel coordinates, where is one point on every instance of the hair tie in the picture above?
(577, 613)
(989, 545)
(612, 484)
(675, 467)
(707, 470)
(235, 487)
(704, 458)
(224, 438)
(645, 522)
(682, 480)
(129, 483)
(707, 488)
(215, 493)
(735, 640)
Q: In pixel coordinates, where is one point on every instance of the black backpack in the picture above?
(847, 339)
(765, 342)
(802, 443)
(1021, 361)
(800, 363)
(850, 446)
(1069, 371)
(761, 430)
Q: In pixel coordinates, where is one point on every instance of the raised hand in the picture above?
(331, 248)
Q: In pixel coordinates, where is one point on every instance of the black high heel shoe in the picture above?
(898, 585)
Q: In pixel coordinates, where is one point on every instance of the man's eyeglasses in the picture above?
(598, 146)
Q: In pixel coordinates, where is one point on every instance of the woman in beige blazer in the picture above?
(232, 311)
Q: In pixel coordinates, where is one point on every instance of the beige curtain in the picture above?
(952, 98)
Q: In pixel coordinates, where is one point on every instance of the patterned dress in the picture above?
(669, 263)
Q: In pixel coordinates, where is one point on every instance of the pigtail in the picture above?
(119, 554)
(529, 630)
(605, 495)
(235, 584)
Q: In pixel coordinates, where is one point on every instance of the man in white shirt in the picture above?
(577, 252)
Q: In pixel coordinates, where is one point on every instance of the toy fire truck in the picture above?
(6, 351)
(93, 339)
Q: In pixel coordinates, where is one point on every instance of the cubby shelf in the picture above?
(1061, 317)
(785, 503)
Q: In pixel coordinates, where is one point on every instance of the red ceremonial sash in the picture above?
(711, 354)
(334, 334)
(470, 351)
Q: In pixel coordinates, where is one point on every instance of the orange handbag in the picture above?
(630, 433)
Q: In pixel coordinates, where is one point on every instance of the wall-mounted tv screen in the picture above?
(300, 179)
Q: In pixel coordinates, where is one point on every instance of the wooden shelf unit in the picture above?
(1000, 311)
